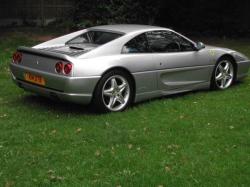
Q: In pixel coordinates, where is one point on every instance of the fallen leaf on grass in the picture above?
(53, 131)
(173, 153)
(167, 169)
(78, 130)
(54, 178)
(97, 153)
(9, 184)
(173, 146)
(182, 116)
(51, 171)
(112, 150)
(162, 132)
(169, 146)
(60, 178)
(130, 146)
(3, 116)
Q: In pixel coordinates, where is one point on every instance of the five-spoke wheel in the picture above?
(223, 76)
(114, 92)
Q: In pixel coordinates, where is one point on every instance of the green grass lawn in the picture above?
(194, 139)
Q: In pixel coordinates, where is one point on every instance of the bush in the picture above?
(98, 12)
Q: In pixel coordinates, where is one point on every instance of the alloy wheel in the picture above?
(224, 74)
(116, 93)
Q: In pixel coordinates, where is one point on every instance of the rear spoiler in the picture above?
(43, 53)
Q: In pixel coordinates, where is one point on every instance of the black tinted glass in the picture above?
(166, 41)
(95, 37)
(136, 45)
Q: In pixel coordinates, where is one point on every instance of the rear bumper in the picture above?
(70, 89)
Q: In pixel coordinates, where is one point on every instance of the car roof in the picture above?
(125, 28)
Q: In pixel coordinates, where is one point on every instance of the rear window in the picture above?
(95, 37)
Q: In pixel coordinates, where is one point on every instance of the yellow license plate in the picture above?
(36, 79)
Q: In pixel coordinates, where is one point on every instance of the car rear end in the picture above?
(50, 74)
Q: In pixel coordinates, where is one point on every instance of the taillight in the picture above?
(59, 67)
(67, 68)
(17, 57)
(63, 67)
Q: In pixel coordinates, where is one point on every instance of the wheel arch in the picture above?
(125, 70)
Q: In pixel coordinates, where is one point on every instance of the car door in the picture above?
(180, 66)
(140, 62)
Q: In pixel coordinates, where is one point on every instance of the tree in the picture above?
(117, 11)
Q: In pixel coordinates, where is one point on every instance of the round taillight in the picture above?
(59, 67)
(17, 57)
(67, 68)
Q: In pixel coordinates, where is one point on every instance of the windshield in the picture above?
(95, 37)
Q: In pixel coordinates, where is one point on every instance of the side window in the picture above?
(80, 39)
(138, 44)
(184, 44)
(161, 41)
(166, 41)
(100, 38)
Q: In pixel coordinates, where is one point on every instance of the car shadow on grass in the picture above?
(187, 93)
(49, 104)
(56, 105)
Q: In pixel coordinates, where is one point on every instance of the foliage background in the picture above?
(197, 17)
(201, 17)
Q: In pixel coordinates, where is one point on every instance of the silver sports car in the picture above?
(114, 66)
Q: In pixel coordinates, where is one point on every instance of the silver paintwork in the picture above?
(154, 74)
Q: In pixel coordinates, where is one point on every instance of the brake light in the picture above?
(67, 68)
(63, 67)
(59, 67)
(17, 57)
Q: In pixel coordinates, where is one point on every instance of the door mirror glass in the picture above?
(199, 46)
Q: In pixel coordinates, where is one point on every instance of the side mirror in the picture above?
(199, 46)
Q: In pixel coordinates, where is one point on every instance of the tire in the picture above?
(114, 92)
(223, 75)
